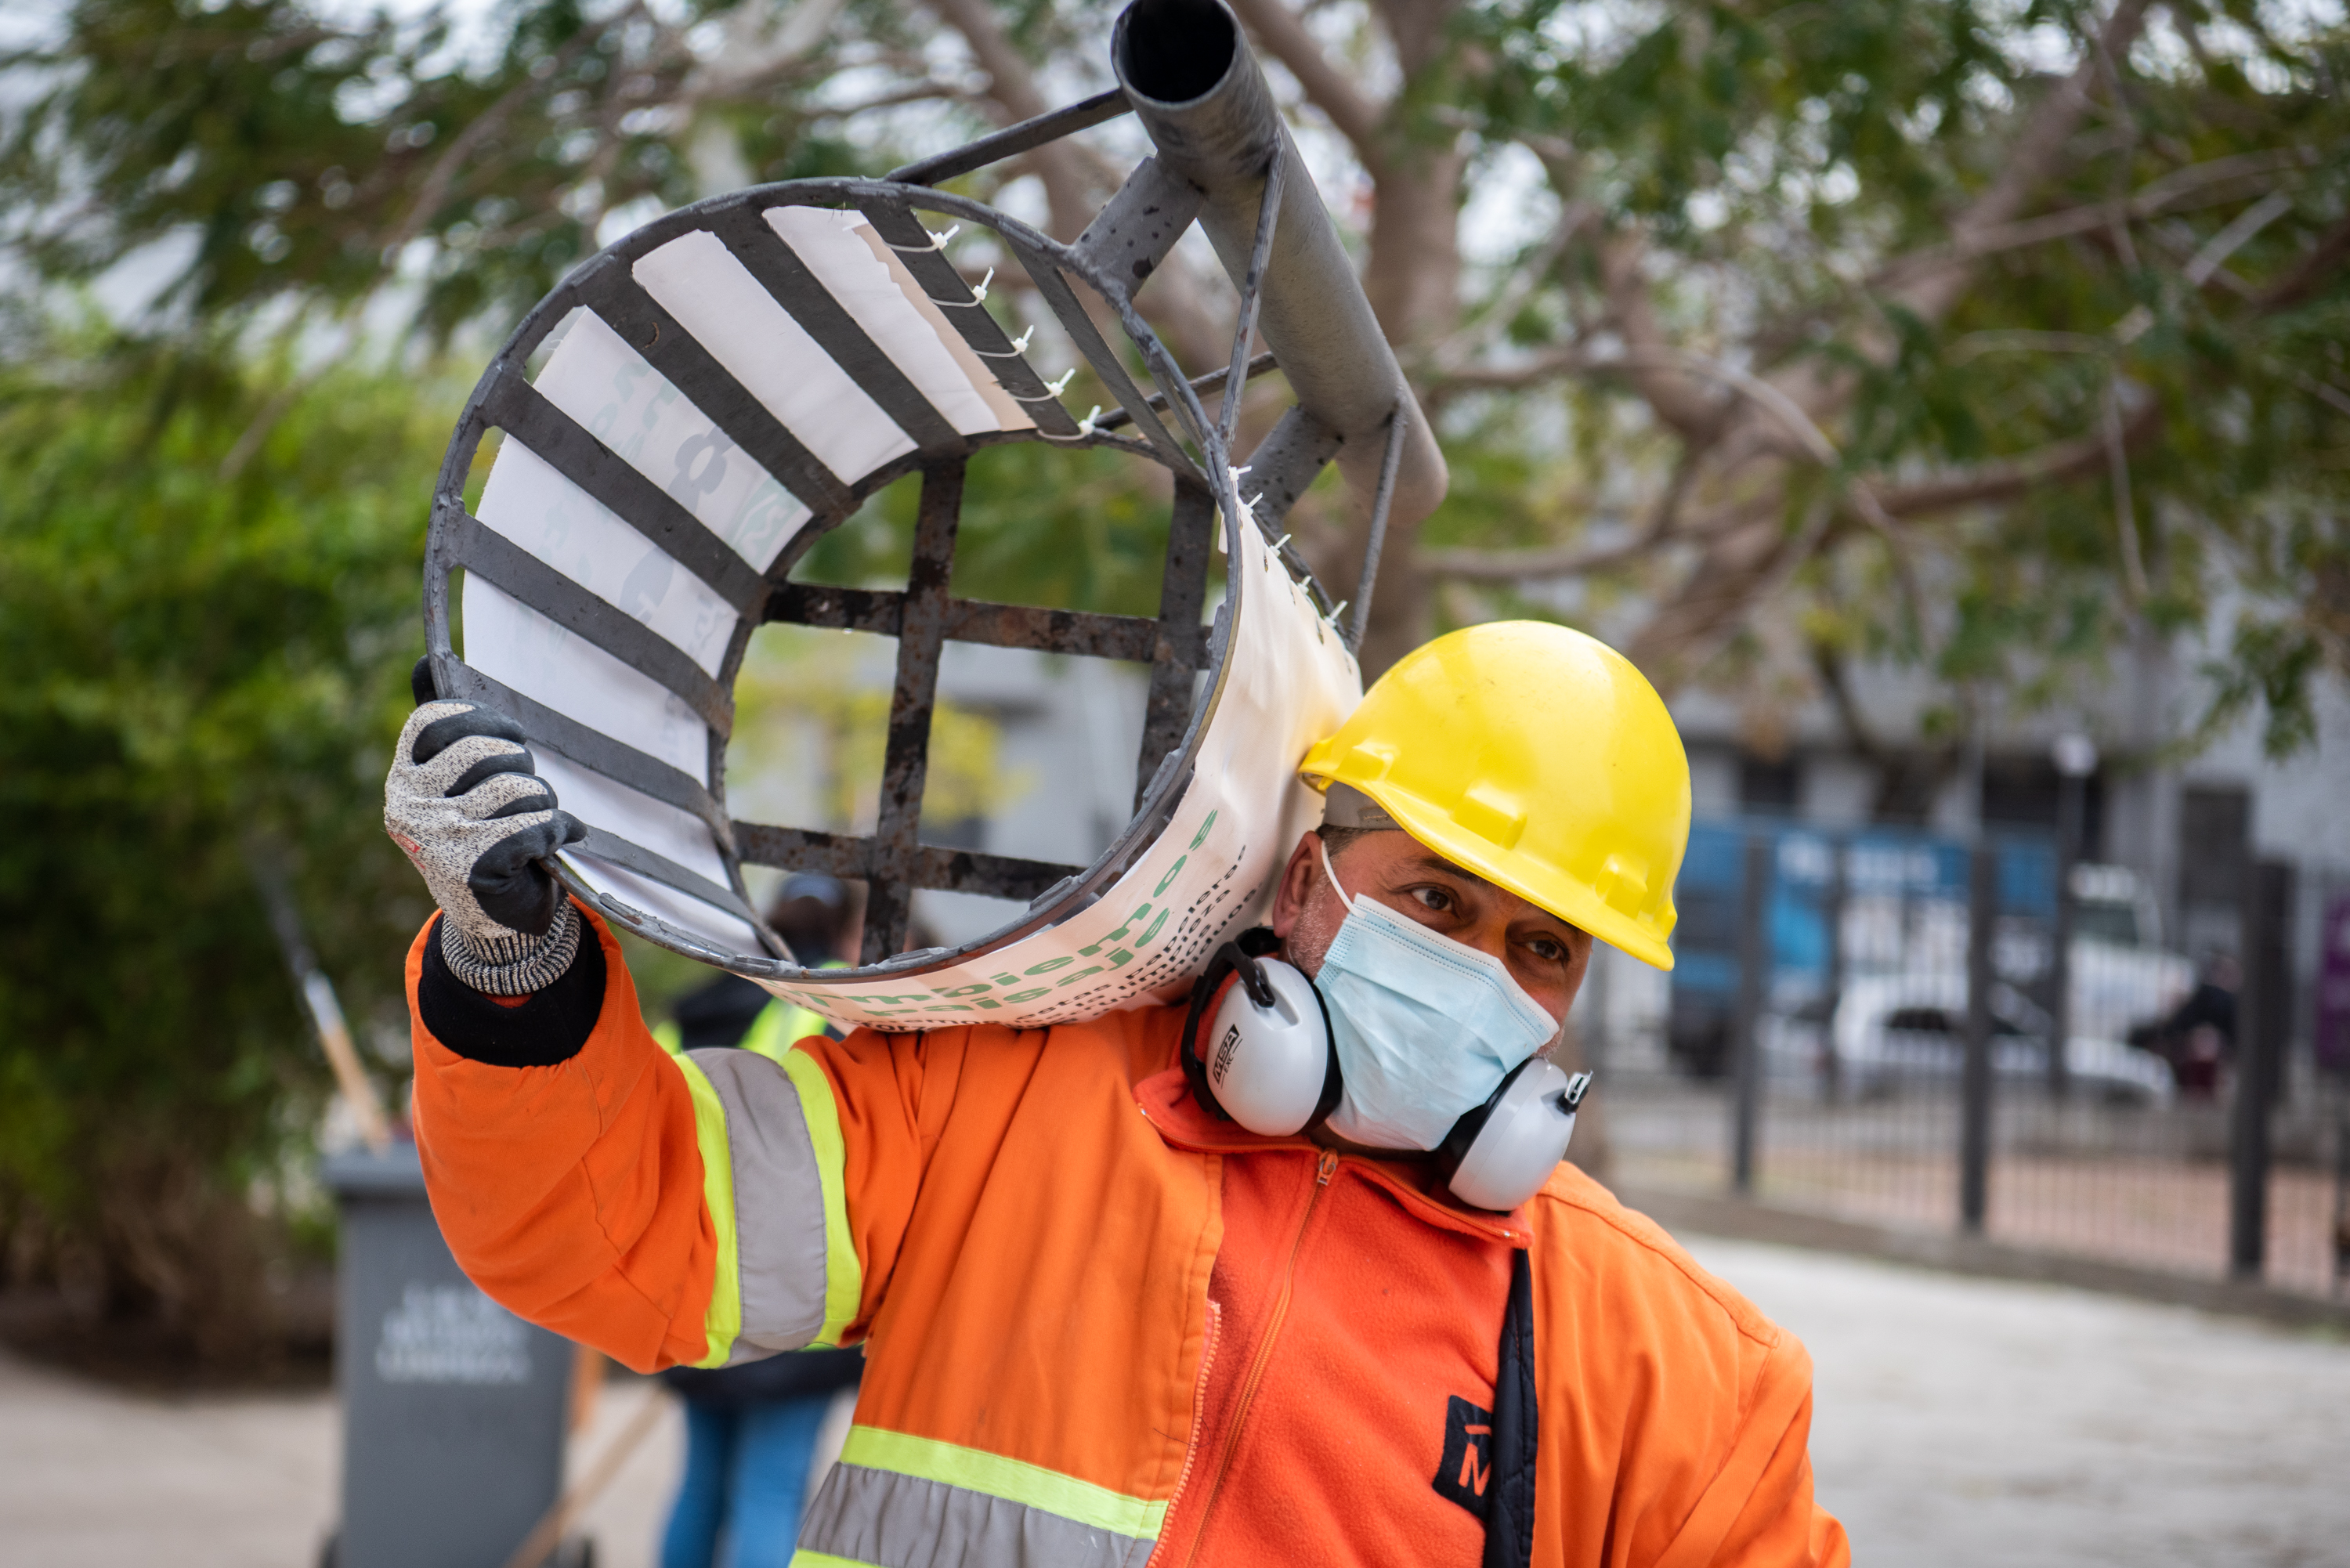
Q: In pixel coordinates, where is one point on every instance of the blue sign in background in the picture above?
(1879, 861)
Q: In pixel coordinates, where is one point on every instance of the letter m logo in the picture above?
(1467, 1465)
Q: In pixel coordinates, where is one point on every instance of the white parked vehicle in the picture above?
(1894, 1030)
(2121, 975)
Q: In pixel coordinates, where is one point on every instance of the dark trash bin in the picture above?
(454, 1409)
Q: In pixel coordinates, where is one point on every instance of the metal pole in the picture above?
(2263, 1008)
(318, 996)
(1745, 1022)
(1368, 579)
(1199, 94)
(2076, 758)
(1839, 892)
(2341, 1194)
(905, 754)
(1974, 1083)
(2071, 794)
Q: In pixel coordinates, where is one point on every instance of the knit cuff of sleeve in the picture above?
(547, 1027)
(514, 965)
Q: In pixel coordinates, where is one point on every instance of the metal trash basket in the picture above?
(691, 410)
(454, 1410)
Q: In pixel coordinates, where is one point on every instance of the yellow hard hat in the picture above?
(1538, 758)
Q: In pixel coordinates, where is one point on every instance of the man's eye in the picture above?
(1435, 898)
(1548, 951)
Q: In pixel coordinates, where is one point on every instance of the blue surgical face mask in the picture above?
(1426, 1028)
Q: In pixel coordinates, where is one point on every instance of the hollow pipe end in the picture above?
(1175, 54)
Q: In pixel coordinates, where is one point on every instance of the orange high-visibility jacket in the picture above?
(1101, 1328)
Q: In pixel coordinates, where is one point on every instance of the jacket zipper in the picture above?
(1324, 1168)
(1199, 1414)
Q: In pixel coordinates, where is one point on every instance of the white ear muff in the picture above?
(1499, 1155)
(1264, 1057)
(1267, 1064)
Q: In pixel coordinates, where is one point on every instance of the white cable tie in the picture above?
(1086, 425)
(1285, 539)
(978, 295)
(1338, 609)
(1233, 476)
(938, 242)
(1067, 375)
(1019, 347)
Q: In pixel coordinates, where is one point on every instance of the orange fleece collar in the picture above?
(1165, 1100)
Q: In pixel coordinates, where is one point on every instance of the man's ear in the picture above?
(1297, 882)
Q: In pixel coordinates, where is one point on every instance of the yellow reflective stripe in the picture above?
(779, 1026)
(844, 1276)
(723, 1320)
(824, 1560)
(668, 1037)
(1015, 1480)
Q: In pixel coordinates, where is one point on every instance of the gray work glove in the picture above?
(463, 801)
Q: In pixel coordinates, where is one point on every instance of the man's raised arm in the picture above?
(665, 1209)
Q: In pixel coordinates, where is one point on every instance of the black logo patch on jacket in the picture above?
(1463, 1474)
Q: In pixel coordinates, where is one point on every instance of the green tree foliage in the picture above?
(196, 670)
(295, 158)
(1983, 338)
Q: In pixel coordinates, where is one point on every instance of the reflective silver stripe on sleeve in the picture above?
(778, 1203)
(894, 1520)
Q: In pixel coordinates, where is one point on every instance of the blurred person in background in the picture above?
(751, 1431)
(2200, 1034)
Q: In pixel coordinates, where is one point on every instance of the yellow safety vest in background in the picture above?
(780, 1025)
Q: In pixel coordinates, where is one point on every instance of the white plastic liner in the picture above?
(856, 267)
(697, 280)
(610, 392)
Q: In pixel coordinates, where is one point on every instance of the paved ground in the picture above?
(1961, 1424)
(1969, 1423)
(92, 1478)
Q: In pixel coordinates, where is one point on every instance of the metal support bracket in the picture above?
(1132, 235)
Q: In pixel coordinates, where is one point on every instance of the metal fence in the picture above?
(1863, 1027)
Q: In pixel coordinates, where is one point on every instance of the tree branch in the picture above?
(2320, 265)
(1569, 561)
(747, 63)
(1356, 117)
(1745, 566)
(1450, 381)
(1075, 181)
(2182, 190)
(486, 125)
(1827, 662)
(916, 92)
(1573, 218)
(1650, 362)
(1069, 190)
(2035, 155)
(2057, 463)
